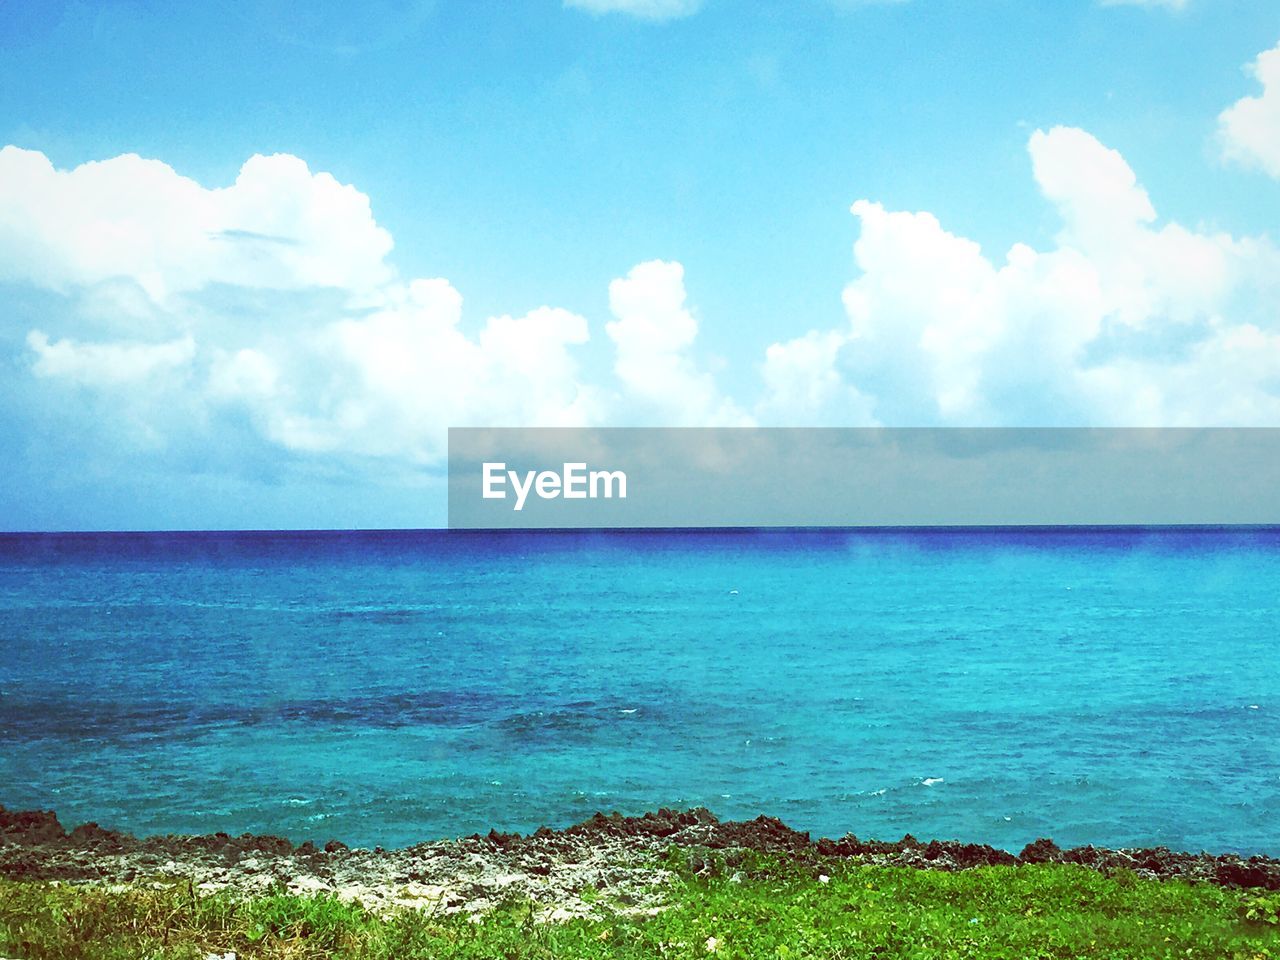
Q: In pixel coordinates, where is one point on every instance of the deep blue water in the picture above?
(1114, 687)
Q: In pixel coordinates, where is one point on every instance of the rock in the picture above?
(614, 854)
(1041, 851)
(503, 841)
(1251, 873)
(30, 827)
(94, 837)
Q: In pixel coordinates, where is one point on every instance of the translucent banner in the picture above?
(770, 477)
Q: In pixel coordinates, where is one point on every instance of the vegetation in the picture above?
(748, 906)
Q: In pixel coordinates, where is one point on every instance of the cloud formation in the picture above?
(1122, 322)
(394, 379)
(260, 327)
(107, 364)
(268, 306)
(652, 331)
(279, 226)
(1249, 129)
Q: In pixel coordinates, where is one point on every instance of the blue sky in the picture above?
(671, 181)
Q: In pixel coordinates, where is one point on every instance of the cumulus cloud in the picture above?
(656, 10)
(259, 326)
(1249, 130)
(393, 380)
(653, 331)
(268, 305)
(803, 384)
(107, 364)
(278, 226)
(1122, 322)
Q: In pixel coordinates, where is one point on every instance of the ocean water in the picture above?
(1117, 687)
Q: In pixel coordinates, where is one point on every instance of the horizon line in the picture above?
(738, 528)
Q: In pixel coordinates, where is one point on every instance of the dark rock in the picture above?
(1043, 850)
(275, 845)
(503, 841)
(94, 837)
(34, 845)
(964, 856)
(1251, 873)
(768, 834)
(30, 827)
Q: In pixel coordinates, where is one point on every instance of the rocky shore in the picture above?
(563, 873)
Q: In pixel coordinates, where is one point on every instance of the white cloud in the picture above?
(107, 364)
(397, 378)
(652, 332)
(389, 382)
(230, 286)
(804, 386)
(641, 9)
(1249, 129)
(278, 226)
(1122, 322)
(273, 299)
(246, 374)
(262, 321)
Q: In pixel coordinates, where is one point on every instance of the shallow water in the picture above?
(1113, 687)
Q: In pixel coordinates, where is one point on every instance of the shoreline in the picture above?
(622, 856)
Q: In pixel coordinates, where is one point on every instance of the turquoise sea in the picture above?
(1108, 686)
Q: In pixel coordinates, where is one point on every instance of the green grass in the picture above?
(755, 907)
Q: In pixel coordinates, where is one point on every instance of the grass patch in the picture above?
(743, 906)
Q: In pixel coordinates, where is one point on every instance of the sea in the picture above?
(1110, 686)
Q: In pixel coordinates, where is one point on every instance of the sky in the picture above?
(257, 257)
